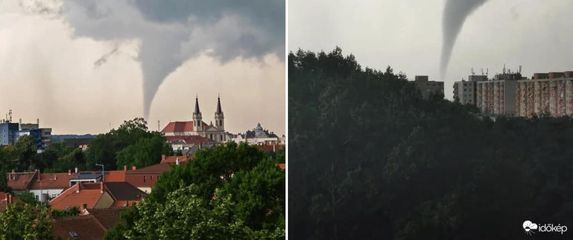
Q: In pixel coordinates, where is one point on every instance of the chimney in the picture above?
(125, 168)
(101, 187)
(76, 170)
(177, 161)
(162, 157)
(9, 198)
(133, 168)
(69, 172)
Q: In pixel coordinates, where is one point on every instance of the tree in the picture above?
(372, 159)
(145, 152)
(25, 221)
(105, 148)
(227, 192)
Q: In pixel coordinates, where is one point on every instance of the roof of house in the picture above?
(147, 176)
(173, 159)
(78, 195)
(115, 176)
(270, 147)
(19, 181)
(124, 191)
(194, 139)
(79, 227)
(282, 166)
(52, 181)
(108, 217)
(87, 175)
(180, 126)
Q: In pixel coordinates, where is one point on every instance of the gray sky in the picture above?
(407, 35)
(83, 66)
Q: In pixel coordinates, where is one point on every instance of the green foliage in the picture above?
(28, 198)
(371, 159)
(131, 137)
(228, 192)
(25, 221)
(68, 212)
(145, 152)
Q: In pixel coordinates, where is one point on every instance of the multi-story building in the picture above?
(546, 93)
(498, 96)
(429, 88)
(513, 95)
(8, 132)
(465, 91)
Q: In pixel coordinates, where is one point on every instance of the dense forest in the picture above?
(370, 159)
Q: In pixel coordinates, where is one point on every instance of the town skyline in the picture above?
(407, 35)
(86, 67)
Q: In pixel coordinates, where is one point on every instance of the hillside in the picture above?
(370, 159)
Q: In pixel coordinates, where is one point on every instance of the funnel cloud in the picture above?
(455, 14)
(171, 32)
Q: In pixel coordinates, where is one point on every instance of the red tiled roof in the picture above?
(86, 227)
(270, 147)
(183, 126)
(195, 139)
(52, 181)
(120, 191)
(19, 181)
(78, 195)
(173, 159)
(282, 166)
(115, 176)
(147, 176)
(108, 217)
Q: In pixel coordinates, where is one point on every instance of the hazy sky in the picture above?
(86, 66)
(407, 35)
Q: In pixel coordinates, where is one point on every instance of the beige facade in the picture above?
(512, 95)
(546, 94)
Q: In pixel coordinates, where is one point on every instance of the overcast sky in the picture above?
(86, 66)
(407, 35)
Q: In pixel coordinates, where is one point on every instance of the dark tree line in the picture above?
(370, 159)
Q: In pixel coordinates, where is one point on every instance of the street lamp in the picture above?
(102, 171)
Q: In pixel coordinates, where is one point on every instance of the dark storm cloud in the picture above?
(173, 31)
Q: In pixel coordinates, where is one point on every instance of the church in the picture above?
(197, 132)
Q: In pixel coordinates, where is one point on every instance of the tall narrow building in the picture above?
(219, 116)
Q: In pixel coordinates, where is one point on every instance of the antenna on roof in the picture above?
(158, 124)
(487, 71)
(473, 73)
(519, 69)
(503, 68)
(482, 71)
(10, 115)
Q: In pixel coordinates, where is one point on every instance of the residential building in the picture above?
(8, 133)
(429, 88)
(511, 94)
(258, 136)
(546, 93)
(5, 200)
(98, 195)
(47, 186)
(465, 91)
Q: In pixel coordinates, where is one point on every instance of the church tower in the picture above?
(219, 117)
(197, 118)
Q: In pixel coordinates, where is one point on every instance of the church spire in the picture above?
(219, 110)
(197, 105)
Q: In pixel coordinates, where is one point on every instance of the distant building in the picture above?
(257, 136)
(184, 135)
(429, 88)
(511, 94)
(8, 133)
(465, 91)
(546, 93)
